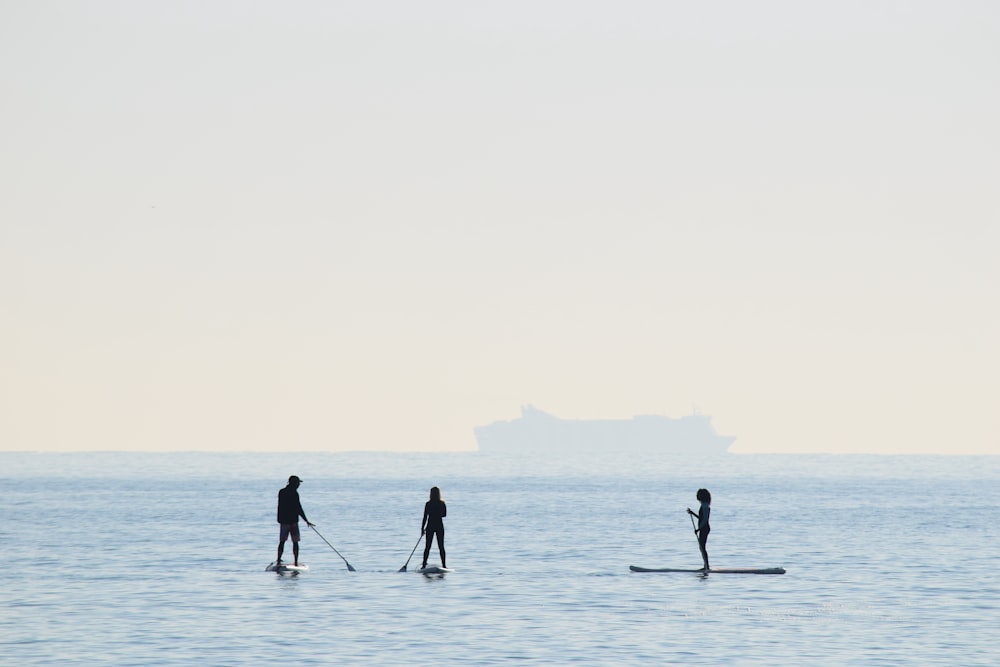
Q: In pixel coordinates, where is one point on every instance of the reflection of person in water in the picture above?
(703, 528)
(433, 524)
(289, 511)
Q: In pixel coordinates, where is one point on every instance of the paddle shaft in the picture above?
(403, 569)
(696, 538)
(349, 566)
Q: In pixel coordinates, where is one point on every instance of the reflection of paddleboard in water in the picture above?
(714, 570)
(433, 569)
(285, 567)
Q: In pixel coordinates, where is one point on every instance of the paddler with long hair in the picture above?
(433, 524)
(703, 528)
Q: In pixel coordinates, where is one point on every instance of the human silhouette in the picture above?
(703, 528)
(289, 511)
(433, 524)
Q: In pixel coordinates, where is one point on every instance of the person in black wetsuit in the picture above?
(289, 511)
(433, 524)
(703, 528)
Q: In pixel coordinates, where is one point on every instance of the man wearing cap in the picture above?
(289, 511)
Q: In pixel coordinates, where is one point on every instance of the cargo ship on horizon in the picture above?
(538, 431)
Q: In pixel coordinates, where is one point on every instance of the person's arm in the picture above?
(423, 522)
(444, 510)
(302, 513)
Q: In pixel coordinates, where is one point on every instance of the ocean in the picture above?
(158, 559)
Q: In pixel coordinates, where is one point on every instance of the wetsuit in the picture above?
(434, 513)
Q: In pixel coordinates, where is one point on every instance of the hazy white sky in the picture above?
(375, 225)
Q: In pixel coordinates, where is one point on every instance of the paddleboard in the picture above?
(721, 570)
(287, 567)
(433, 569)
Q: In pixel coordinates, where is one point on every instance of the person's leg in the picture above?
(440, 539)
(427, 547)
(703, 545)
(281, 541)
(295, 541)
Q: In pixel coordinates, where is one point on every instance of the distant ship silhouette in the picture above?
(538, 431)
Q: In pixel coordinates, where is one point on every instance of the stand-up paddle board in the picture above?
(720, 570)
(286, 567)
(433, 569)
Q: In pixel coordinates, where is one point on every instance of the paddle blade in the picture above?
(350, 568)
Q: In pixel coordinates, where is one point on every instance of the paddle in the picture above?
(349, 566)
(403, 569)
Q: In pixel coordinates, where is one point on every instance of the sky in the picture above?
(319, 225)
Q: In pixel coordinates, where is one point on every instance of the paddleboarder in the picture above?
(703, 528)
(289, 511)
(433, 524)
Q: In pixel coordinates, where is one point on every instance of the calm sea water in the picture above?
(158, 559)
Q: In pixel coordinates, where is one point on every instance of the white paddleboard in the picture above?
(433, 569)
(287, 567)
(720, 570)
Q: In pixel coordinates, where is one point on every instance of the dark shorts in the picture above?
(290, 529)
